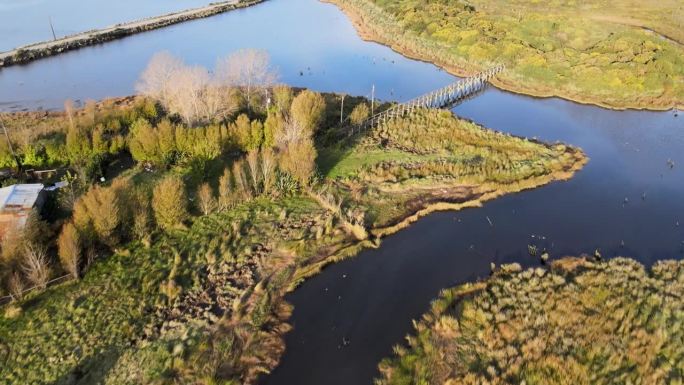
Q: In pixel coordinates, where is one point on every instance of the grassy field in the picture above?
(432, 158)
(624, 54)
(203, 304)
(579, 322)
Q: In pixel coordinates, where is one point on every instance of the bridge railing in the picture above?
(439, 98)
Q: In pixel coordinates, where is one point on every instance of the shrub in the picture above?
(360, 113)
(169, 202)
(69, 249)
(308, 109)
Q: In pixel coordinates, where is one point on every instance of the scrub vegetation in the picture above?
(625, 54)
(579, 322)
(216, 199)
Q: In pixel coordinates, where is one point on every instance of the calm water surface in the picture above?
(626, 201)
(28, 21)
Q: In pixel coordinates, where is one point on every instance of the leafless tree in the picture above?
(219, 102)
(157, 79)
(249, 69)
(35, 266)
(268, 166)
(205, 199)
(254, 172)
(15, 286)
(189, 91)
(69, 109)
(293, 132)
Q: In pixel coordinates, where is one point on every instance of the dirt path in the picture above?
(30, 52)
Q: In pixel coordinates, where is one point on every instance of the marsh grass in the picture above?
(594, 52)
(434, 157)
(579, 322)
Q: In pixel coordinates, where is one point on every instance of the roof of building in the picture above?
(19, 197)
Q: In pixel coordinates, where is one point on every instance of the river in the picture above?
(626, 201)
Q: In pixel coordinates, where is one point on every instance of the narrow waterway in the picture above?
(626, 201)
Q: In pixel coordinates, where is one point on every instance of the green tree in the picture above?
(298, 159)
(242, 130)
(103, 208)
(144, 143)
(308, 109)
(169, 202)
(167, 140)
(273, 127)
(256, 134)
(282, 98)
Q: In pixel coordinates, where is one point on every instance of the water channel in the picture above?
(626, 201)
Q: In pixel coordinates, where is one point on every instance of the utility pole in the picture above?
(373, 100)
(54, 37)
(342, 109)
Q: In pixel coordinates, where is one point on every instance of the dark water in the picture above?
(370, 300)
(626, 201)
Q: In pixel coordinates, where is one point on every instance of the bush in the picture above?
(169, 202)
(69, 249)
(308, 109)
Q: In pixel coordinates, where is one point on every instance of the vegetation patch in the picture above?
(621, 56)
(190, 212)
(431, 157)
(578, 322)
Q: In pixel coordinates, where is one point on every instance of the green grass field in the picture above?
(627, 54)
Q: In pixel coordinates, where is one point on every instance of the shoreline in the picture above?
(368, 34)
(352, 250)
(39, 50)
(279, 320)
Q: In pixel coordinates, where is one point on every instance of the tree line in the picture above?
(262, 132)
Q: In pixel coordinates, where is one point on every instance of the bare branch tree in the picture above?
(35, 266)
(186, 93)
(205, 199)
(189, 91)
(249, 69)
(15, 286)
(157, 79)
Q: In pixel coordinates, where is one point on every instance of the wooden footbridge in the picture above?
(440, 98)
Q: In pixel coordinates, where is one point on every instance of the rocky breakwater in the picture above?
(28, 53)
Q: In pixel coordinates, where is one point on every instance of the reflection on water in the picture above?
(626, 201)
(311, 43)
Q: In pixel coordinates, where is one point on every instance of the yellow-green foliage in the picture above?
(581, 50)
(86, 327)
(579, 323)
(402, 160)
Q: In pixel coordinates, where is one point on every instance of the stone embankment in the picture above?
(28, 53)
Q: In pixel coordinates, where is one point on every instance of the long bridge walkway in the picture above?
(440, 98)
